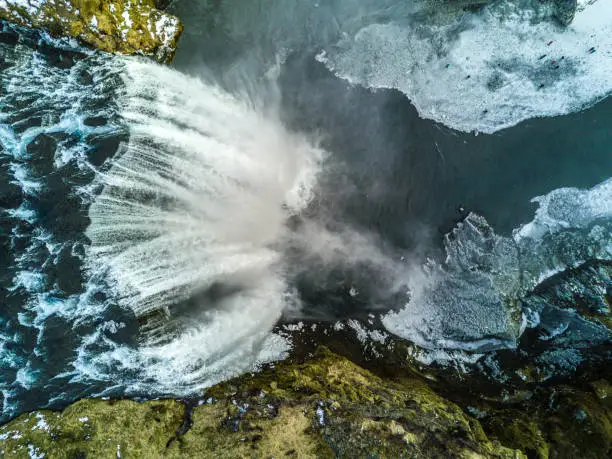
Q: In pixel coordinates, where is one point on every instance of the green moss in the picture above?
(600, 318)
(124, 26)
(324, 407)
(363, 415)
(532, 374)
(326, 376)
(518, 430)
(94, 428)
(285, 434)
(559, 421)
(602, 388)
(579, 424)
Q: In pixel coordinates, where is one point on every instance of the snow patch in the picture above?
(34, 452)
(42, 423)
(31, 6)
(487, 70)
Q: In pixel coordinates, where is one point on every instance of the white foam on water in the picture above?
(31, 281)
(459, 359)
(570, 227)
(200, 357)
(57, 100)
(23, 213)
(582, 4)
(7, 137)
(547, 274)
(26, 376)
(22, 177)
(465, 302)
(487, 70)
(422, 327)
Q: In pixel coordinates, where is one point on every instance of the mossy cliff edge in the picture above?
(324, 407)
(123, 26)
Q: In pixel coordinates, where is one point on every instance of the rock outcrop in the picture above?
(123, 26)
(326, 406)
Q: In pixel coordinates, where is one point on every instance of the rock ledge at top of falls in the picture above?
(122, 26)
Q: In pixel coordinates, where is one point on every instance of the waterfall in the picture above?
(194, 207)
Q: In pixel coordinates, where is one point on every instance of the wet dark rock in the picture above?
(9, 37)
(41, 151)
(95, 121)
(69, 272)
(564, 10)
(61, 58)
(103, 147)
(11, 194)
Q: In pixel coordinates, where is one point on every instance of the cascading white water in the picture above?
(193, 228)
(193, 210)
